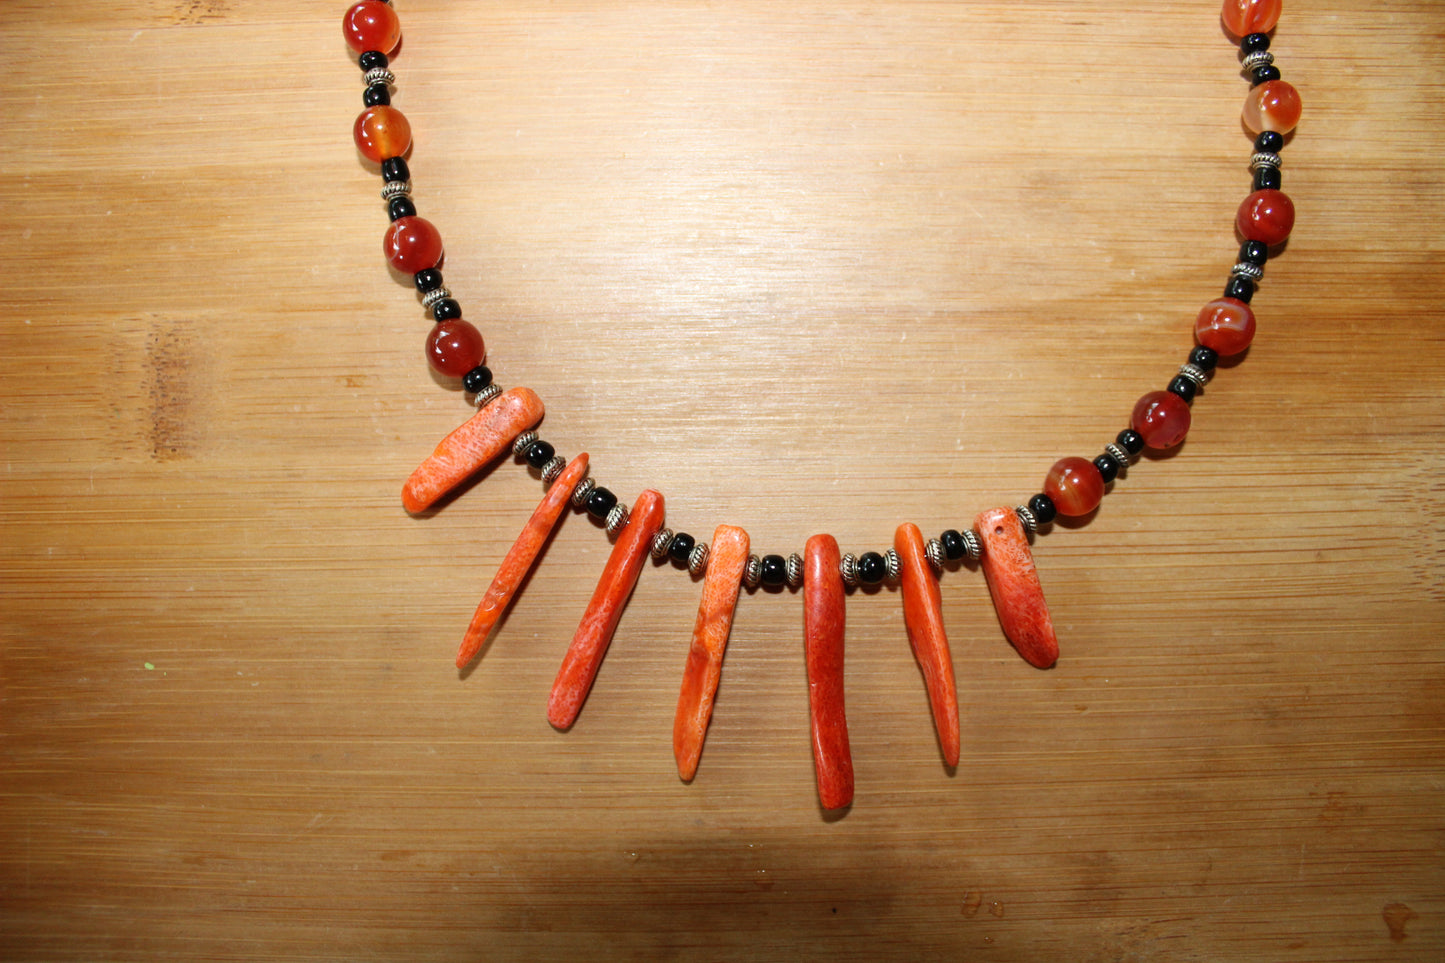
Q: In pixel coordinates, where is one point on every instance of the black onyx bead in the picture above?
(428, 279)
(376, 96)
(1254, 42)
(1204, 358)
(1271, 141)
(1130, 440)
(681, 546)
(395, 169)
(774, 570)
(871, 568)
(373, 60)
(1267, 179)
(1241, 289)
(477, 379)
(1183, 387)
(1108, 467)
(953, 547)
(446, 309)
(399, 207)
(1254, 252)
(600, 501)
(539, 453)
(1263, 75)
(1043, 508)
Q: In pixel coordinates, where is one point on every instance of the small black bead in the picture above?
(372, 60)
(871, 568)
(953, 547)
(395, 169)
(681, 546)
(539, 453)
(1043, 508)
(427, 279)
(1271, 141)
(1108, 467)
(1204, 358)
(774, 570)
(477, 379)
(1241, 289)
(446, 309)
(1267, 179)
(1254, 42)
(1263, 75)
(600, 501)
(1254, 252)
(1130, 440)
(400, 206)
(1183, 387)
(376, 96)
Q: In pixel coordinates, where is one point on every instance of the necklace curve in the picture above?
(997, 541)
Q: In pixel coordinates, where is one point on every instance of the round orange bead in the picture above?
(1244, 17)
(1226, 325)
(1075, 486)
(1266, 216)
(1273, 105)
(371, 25)
(413, 244)
(1162, 418)
(455, 347)
(381, 133)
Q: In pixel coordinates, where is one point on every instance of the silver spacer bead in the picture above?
(891, 564)
(971, 544)
(1244, 269)
(1256, 59)
(933, 549)
(848, 568)
(429, 300)
(1118, 453)
(753, 572)
(378, 75)
(1195, 374)
(660, 543)
(1026, 516)
(487, 395)
(616, 519)
(580, 493)
(524, 441)
(795, 570)
(554, 467)
(1264, 158)
(395, 189)
(697, 560)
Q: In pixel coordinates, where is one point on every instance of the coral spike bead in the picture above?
(1225, 325)
(1244, 17)
(454, 347)
(1075, 486)
(412, 244)
(1273, 105)
(1161, 418)
(1266, 216)
(371, 25)
(381, 133)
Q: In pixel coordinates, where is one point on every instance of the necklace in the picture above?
(998, 540)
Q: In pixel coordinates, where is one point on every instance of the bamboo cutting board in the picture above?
(805, 267)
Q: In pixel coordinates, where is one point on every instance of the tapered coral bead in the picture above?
(381, 133)
(1273, 105)
(1225, 325)
(454, 347)
(412, 244)
(371, 25)
(1075, 486)
(1266, 216)
(1161, 418)
(1244, 17)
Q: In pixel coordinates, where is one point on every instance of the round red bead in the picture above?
(1244, 17)
(1273, 105)
(371, 25)
(455, 347)
(1161, 418)
(1075, 486)
(1266, 216)
(381, 133)
(412, 244)
(1225, 325)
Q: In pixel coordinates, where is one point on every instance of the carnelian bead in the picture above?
(454, 347)
(413, 244)
(1244, 17)
(381, 133)
(1266, 216)
(371, 25)
(1225, 325)
(1075, 486)
(1161, 418)
(1273, 105)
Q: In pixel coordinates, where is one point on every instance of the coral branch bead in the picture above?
(381, 133)
(371, 25)
(1075, 486)
(1225, 325)
(1244, 17)
(454, 347)
(1266, 216)
(412, 244)
(1273, 105)
(1161, 418)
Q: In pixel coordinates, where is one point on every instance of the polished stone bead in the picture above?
(428, 280)
(539, 453)
(1183, 387)
(871, 568)
(1245, 17)
(446, 309)
(454, 348)
(1273, 105)
(1044, 509)
(1204, 358)
(371, 25)
(1269, 141)
(399, 207)
(1268, 179)
(381, 133)
(1241, 289)
(412, 244)
(1130, 440)
(1075, 486)
(773, 570)
(1253, 252)
(600, 501)
(376, 96)
(1225, 326)
(953, 545)
(1108, 467)
(477, 379)
(394, 170)
(1162, 419)
(1266, 216)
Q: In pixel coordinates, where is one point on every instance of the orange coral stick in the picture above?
(823, 619)
(520, 559)
(923, 617)
(471, 445)
(726, 561)
(589, 645)
(1018, 598)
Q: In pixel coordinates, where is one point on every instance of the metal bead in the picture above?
(580, 493)
(848, 568)
(697, 560)
(660, 542)
(524, 441)
(429, 300)
(891, 565)
(616, 519)
(971, 544)
(1244, 269)
(1256, 59)
(1118, 454)
(487, 395)
(1194, 373)
(933, 550)
(1264, 158)
(753, 572)
(395, 189)
(378, 75)
(554, 467)
(1026, 516)
(795, 570)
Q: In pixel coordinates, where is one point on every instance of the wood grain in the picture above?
(805, 267)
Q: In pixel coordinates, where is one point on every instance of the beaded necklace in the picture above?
(998, 540)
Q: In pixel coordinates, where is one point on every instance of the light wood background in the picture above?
(803, 267)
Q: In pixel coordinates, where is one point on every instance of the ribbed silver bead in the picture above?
(1264, 158)
(616, 519)
(487, 395)
(1195, 374)
(395, 189)
(971, 544)
(1244, 269)
(429, 299)
(753, 572)
(378, 75)
(554, 467)
(848, 568)
(1026, 516)
(524, 441)
(933, 549)
(697, 559)
(891, 564)
(795, 570)
(1257, 58)
(660, 543)
(1118, 453)
(580, 493)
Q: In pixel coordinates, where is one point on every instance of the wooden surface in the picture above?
(803, 267)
